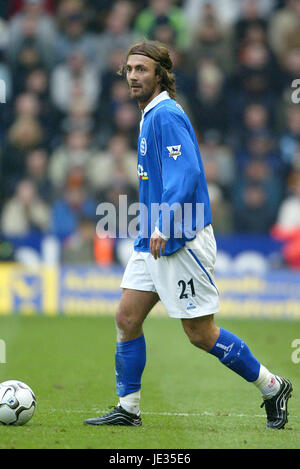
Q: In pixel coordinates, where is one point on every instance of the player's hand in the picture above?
(157, 245)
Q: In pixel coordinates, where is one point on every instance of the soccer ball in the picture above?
(17, 403)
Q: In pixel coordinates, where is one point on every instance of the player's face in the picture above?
(141, 78)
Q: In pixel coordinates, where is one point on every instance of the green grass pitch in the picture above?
(189, 400)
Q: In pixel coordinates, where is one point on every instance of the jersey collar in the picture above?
(160, 97)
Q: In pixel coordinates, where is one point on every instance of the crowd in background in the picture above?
(68, 130)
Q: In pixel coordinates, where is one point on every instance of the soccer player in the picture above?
(175, 251)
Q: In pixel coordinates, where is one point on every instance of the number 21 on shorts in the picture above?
(186, 287)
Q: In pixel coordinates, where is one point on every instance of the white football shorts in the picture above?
(184, 281)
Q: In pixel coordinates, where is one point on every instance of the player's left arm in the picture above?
(180, 167)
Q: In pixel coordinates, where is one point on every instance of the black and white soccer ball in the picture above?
(17, 403)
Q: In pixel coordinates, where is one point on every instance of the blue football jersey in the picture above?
(173, 194)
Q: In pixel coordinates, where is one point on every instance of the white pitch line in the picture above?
(161, 414)
(200, 414)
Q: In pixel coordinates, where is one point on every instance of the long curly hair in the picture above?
(160, 54)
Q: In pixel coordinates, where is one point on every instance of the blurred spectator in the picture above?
(209, 104)
(226, 11)
(75, 152)
(261, 146)
(37, 83)
(14, 6)
(218, 160)
(164, 32)
(23, 135)
(221, 210)
(212, 40)
(3, 31)
(6, 76)
(109, 75)
(289, 141)
(27, 105)
(220, 205)
(255, 33)
(97, 12)
(291, 66)
(25, 212)
(164, 12)
(251, 15)
(79, 247)
(114, 92)
(258, 172)
(117, 33)
(68, 210)
(246, 87)
(256, 56)
(117, 164)
(75, 81)
(287, 227)
(185, 79)
(32, 26)
(120, 195)
(125, 119)
(73, 34)
(79, 117)
(254, 213)
(284, 28)
(36, 170)
(254, 119)
(289, 212)
(28, 59)
(115, 95)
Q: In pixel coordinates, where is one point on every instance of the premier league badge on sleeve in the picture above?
(174, 151)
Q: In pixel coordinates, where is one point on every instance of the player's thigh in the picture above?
(134, 307)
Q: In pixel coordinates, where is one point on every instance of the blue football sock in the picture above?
(130, 360)
(235, 354)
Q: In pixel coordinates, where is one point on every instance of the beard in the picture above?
(143, 94)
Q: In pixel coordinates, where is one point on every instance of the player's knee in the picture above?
(203, 338)
(125, 322)
(199, 341)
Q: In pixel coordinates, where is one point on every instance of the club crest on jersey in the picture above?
(174, 151)
(143, 146)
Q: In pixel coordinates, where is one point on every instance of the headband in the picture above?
(148, 55)
(143, 53)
